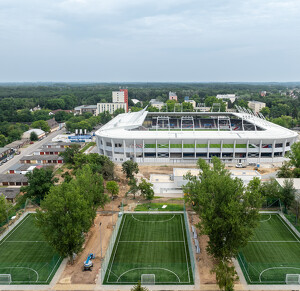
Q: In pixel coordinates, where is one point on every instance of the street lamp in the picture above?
(100, 238)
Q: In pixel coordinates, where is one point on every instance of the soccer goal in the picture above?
(292, 279)
(5, 279)
(148, 279)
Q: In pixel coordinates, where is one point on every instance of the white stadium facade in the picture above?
(184, 137)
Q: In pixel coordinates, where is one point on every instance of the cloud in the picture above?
(177, 34)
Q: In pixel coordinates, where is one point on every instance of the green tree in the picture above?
(146, 189)
(288, 193)
(285, 171)
(40, 181)
(265, 111)
(2, 140)
(4, 207)
(270, 189)
(33, 136)
(41, 124)
(113, 188)
(139, 287)
(130, 168)
(91, 187)
(228, 211)
(134, 188)
(69, 153)
(63, 219)
(225, 275)
(291, 169)
(119, 111)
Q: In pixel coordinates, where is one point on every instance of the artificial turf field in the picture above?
(150, 244)
(271, 253)
(27, 256)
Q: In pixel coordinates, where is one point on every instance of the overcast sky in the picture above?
(149, 40)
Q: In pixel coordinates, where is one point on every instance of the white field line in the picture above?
(273, 241)
(151, 241)
(149, 269)
(116, 248)
(266, 219)
(37, 275)
(245, 268)
(187, 265)
(154, 220)
(275, 268)
(10, 233)
(26, 241)
(52, 270)
(288, 228)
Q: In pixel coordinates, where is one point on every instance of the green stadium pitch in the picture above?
(153, 244)
(26, 256)
(272, 253)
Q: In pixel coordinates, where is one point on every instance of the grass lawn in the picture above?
(150, 244)
(27, 256)
(158, 206)
(271, 253)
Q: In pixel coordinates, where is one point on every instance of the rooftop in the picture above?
(12, 178)
(41, 158)
(10, 193)
(3, 150)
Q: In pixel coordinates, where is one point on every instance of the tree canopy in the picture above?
(228, 211)
(39, 183)
(130, 168)
(64, 217)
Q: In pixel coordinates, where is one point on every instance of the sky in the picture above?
(149, 40)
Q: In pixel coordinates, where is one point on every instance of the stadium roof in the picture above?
(122, 127)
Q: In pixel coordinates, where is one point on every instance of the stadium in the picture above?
(184, 137)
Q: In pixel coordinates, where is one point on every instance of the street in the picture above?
(29, 150)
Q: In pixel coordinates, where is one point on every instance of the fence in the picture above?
(15, 214)
(189, 240)
(105, 263)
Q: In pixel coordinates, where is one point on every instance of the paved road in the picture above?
(29, 150)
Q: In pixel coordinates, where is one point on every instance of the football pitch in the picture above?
(150, 244)
(271, 253)
(26, 256)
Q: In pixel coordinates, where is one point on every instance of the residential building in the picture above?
(13, 180)
(53, 124)
(85, 108)
(173, 96)
(157, 104)
(120, 97)
(231, 97)
(263, 93)
(41, 159)
(193, 102)
(49, 151)
(40, 133)
(23, 168)
(10, 194)
(111, 107)
(256, 106)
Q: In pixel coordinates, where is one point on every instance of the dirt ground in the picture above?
(74, 274)
(203, 260)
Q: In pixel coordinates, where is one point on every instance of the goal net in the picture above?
(148, 279)
(292, 279)
(5, 279)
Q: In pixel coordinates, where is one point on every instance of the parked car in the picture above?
(240, 165)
